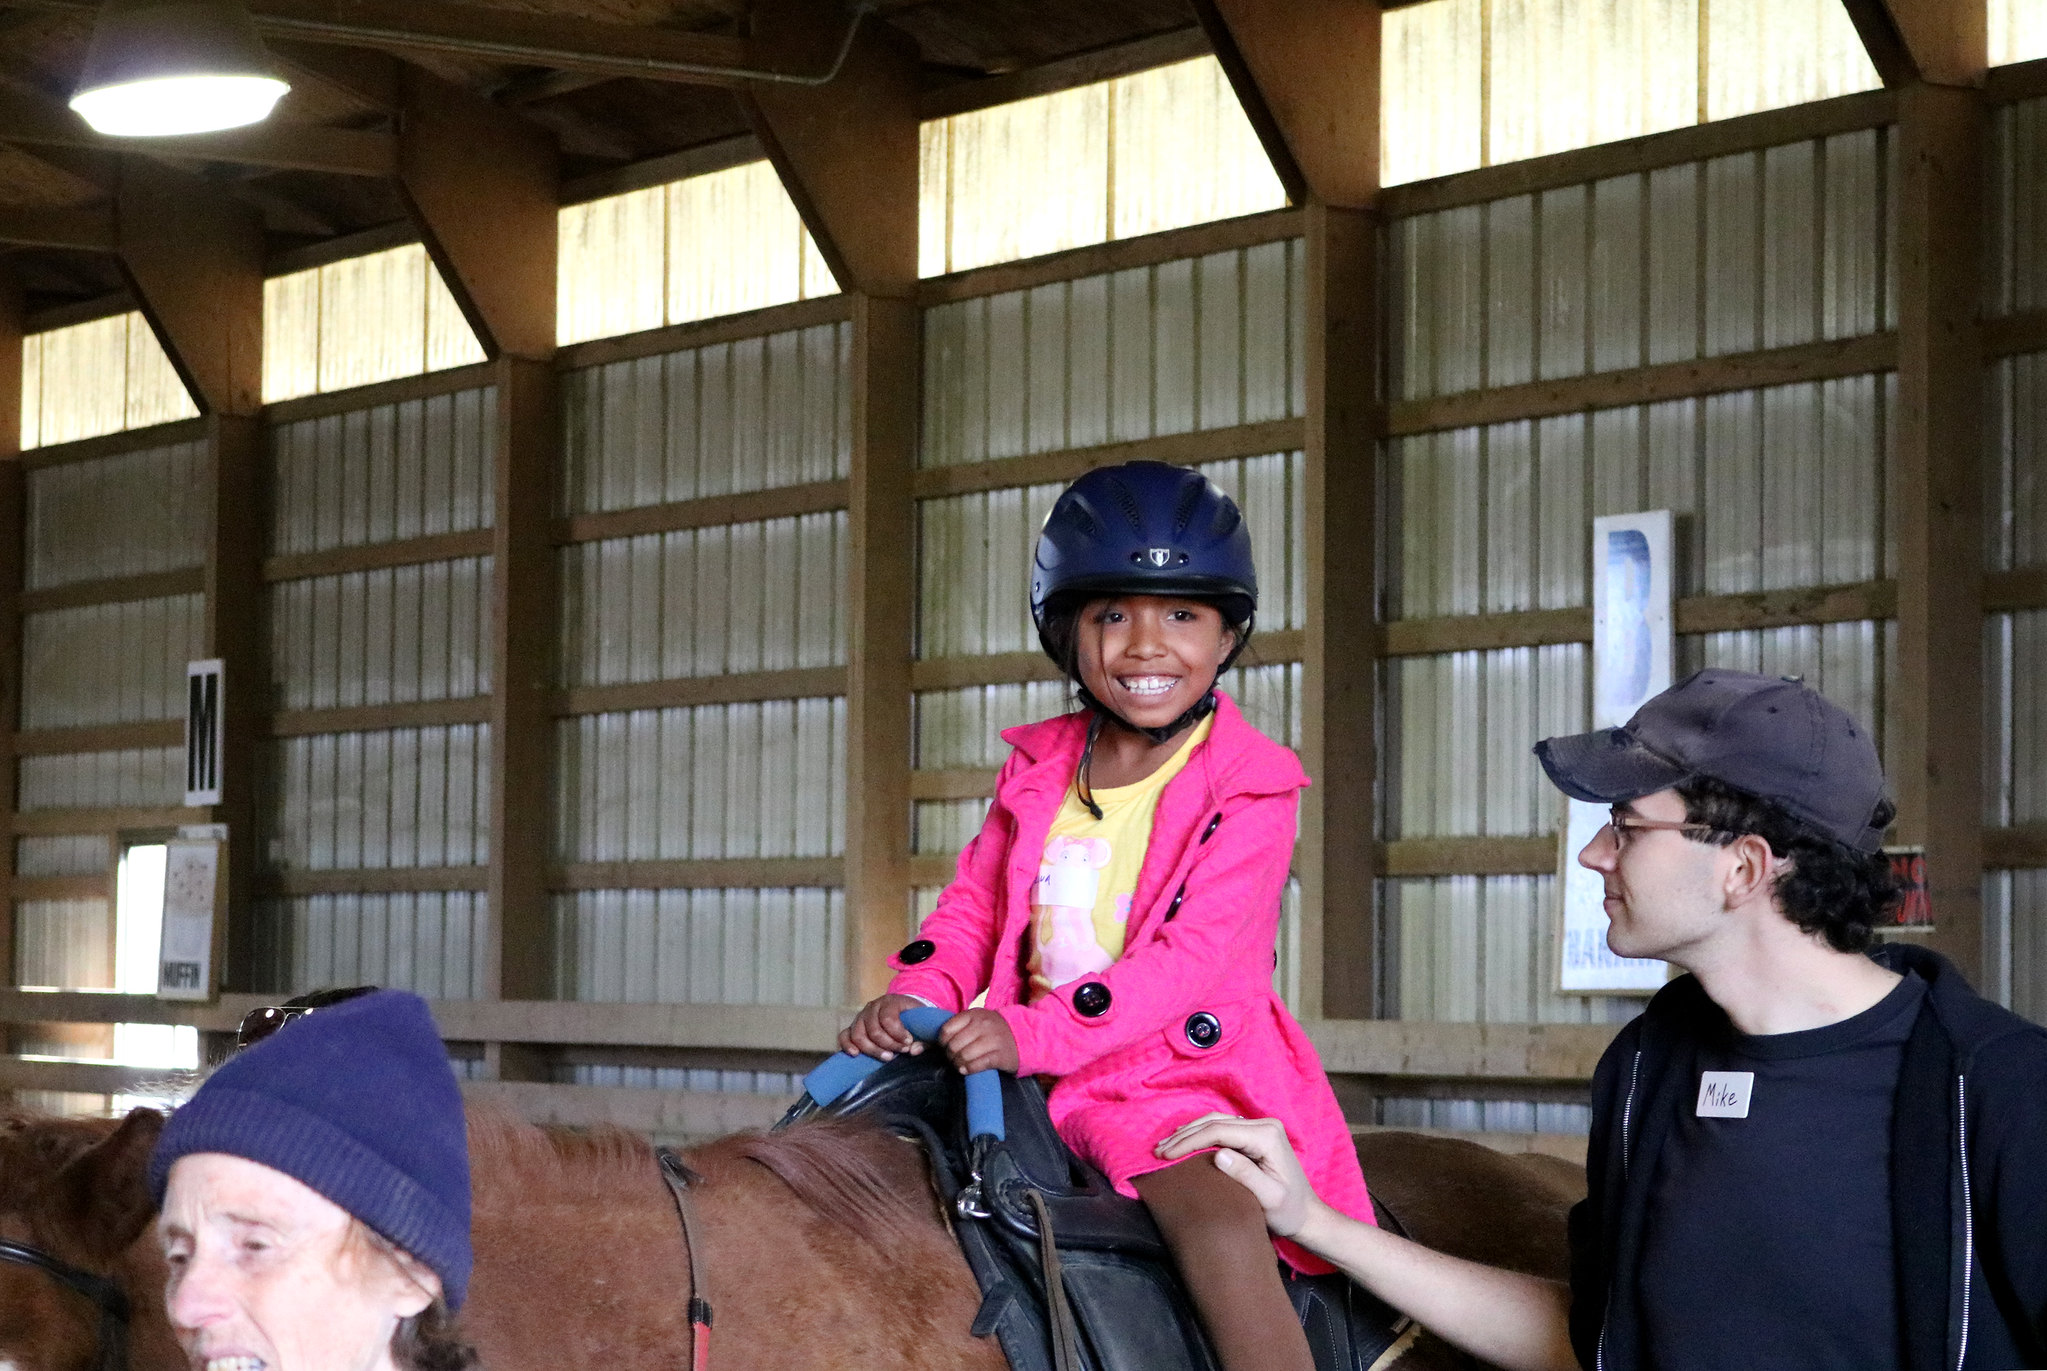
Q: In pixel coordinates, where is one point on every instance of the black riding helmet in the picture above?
(1142, 528)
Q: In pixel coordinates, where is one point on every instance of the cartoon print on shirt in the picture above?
(1069, 880)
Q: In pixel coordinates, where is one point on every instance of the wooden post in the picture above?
(195, 261)
(847, 153)
(1339, 674)
(13, 552)
(520, 943)
(1936, 484)
(483, 187)
(1307, 74)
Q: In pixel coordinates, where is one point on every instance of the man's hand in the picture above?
(1256, 1154)
(878, 1031)
(979, 1040)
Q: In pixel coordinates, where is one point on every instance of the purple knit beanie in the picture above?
(357, 1102)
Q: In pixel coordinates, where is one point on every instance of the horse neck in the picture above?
(152, 1345)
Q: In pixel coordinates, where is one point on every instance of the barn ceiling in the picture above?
(345, 80)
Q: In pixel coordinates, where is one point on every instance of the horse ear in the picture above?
(106, 1189)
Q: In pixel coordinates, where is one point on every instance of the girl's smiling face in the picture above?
(1150, 658)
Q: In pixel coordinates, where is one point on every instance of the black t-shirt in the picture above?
(1768, 1237)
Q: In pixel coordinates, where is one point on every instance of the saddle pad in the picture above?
(1129, 1307)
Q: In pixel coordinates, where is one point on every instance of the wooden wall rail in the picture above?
(1044, 468)
(1372, 1047)
(434, 547)
(740, 507)
(152, 585)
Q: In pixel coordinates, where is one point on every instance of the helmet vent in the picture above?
(1190, 500)
(1127, 502)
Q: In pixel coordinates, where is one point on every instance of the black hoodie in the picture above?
(1969, 1209)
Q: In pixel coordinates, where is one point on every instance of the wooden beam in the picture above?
(1827, 360)
(1507, 1051)
(1041, 468)
(697, 333)
(337, 561)
(113, 444)
(703, 873)
(238, 518)
(2011, 334)
(701, 160)
(1742, 611)
(1651, 152)
(1495, 855)
(194, 258)
(960, 783)
(1118, 254)
(301, 723)
(1010, 668)
(1940, 42)
(1307, 74)
(42, 122)
(54, 822)
(520, 945)
(2017, 589)
(48, 742)
(80, 230)
(1339, 690)
(742, 687)
(837, 146)
(1935, 749)
(100, 887)
(355, 399)
(710, 511)
(13, 556)
(379, 880)
(482, 185)
(149, 585)
(665, 1114)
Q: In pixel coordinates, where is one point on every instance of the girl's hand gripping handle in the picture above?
(840, 1073)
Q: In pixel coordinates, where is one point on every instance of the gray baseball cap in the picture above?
(1772, 736)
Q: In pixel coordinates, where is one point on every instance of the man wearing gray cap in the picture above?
(1807, 1153)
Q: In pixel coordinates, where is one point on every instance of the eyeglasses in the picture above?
(259, 1024)
(1624, 823)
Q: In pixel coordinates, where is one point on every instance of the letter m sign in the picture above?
(204, 685)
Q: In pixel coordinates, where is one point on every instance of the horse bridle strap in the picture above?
(679, 1177)
(111, 1300)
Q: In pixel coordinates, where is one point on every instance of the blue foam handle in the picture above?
(838, 1073)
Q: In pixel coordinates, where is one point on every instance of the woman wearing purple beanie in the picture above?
(315, 1199)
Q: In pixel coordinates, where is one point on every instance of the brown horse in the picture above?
(820, 1244)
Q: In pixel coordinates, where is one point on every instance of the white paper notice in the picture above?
(1631, 652)
(185, 965)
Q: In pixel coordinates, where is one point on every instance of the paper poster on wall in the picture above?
(191, 883)
(1632, 645)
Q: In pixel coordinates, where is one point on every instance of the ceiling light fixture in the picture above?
(157, 68)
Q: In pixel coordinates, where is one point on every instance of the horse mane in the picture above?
(848, 1170)
(34, 1147)
(519, 1158)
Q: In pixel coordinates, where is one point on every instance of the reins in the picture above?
(679, 1177)
(111, 1301)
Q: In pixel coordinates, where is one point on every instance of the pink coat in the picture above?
(1127, 1044)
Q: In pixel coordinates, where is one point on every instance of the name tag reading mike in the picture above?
(1724, 1094)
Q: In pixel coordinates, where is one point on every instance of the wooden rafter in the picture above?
(1306, 73)
(1941, 42)
(194, 258)
(87, 230)
(483, 189)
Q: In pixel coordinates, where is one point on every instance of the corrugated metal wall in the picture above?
(750, 779)
(1773, 488)
(2015, 536)
(1201, 343)
(352, 800)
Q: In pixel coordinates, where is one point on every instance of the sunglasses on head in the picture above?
(259, 1024)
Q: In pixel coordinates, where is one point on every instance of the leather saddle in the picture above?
(1102, 1294)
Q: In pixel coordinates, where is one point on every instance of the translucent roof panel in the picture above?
(105, 376)
(720, 243)
(363, 319)
(1472, 83)
(1138, 154)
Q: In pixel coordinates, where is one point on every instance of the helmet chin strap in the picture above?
(1102, 714)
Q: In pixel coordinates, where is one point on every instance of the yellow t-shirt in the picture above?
(1088, 874)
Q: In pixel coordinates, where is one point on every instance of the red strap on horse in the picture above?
(679, 1177)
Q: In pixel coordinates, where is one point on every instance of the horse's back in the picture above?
(1460, 1197)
